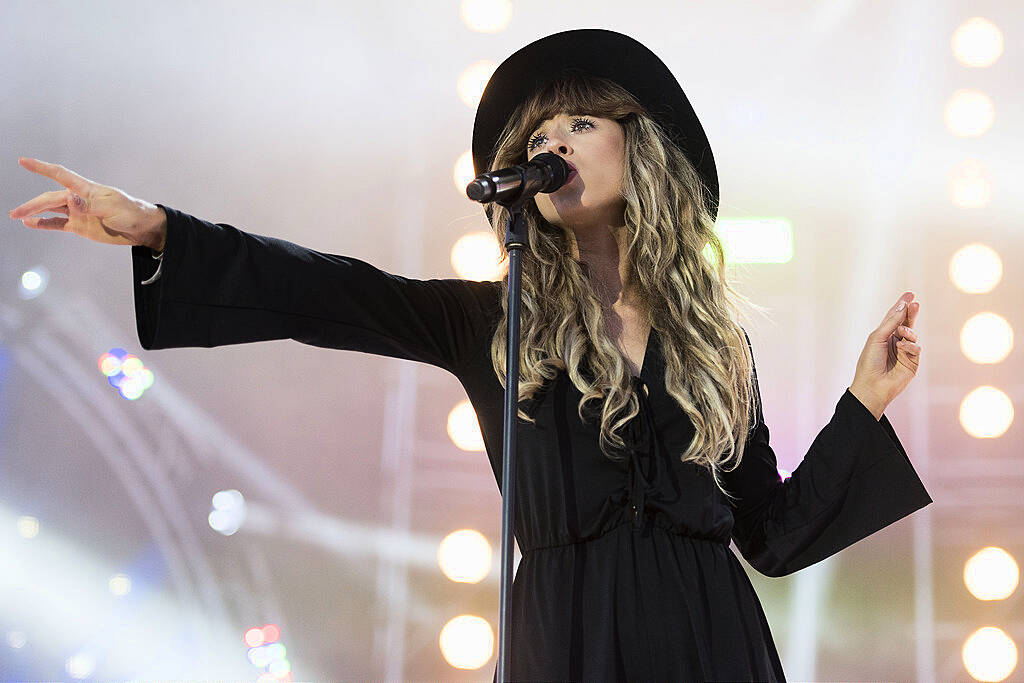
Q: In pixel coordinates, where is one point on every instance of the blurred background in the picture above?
(275, 511)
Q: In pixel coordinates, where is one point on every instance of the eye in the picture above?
(579, 123)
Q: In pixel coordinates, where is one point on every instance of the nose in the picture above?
(557, 144)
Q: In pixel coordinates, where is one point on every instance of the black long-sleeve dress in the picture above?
(626, 571)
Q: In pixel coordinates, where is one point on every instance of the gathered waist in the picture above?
(655, 525)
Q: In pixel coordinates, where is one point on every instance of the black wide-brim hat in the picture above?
(603, 53)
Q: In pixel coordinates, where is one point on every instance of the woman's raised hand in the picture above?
(97, 212)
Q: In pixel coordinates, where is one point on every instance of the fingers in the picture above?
(45, 223)
(64, 176)
(47, 201)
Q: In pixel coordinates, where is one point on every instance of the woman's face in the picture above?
(595, 147)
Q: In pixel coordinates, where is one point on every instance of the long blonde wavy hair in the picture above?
(687, 296)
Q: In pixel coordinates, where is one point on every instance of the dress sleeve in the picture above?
(855, 480)
(220, 285)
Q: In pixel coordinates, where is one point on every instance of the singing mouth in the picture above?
(572, 172)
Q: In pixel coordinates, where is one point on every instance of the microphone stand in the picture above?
(546, 173)
(515, 242)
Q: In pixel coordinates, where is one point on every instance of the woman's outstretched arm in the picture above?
(219, 285)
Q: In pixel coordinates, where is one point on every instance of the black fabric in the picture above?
(601, 593)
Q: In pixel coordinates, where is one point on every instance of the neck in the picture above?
(603, 249)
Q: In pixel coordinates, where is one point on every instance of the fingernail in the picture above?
(903, 304)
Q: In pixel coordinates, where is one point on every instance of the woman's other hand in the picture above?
(890, 357)
(97, 212)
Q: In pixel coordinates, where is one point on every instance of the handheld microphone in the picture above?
(544, 173)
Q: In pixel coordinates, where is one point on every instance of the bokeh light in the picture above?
(975, 269)
(473, 80)
(467, 642)
(486, 16)
(33, 282)
(465, 556)
(977, 42)
(16, 639)
(120, 584)
(986, 338)
(986, 412)
(80, 666)
(969, 113)
(28, 527)
(464, 428)
(462, 173)
(989, 654)
(477, 256)
(970, 185)
(228, 513)
(991, 574)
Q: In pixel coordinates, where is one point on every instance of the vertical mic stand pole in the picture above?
(515, 242)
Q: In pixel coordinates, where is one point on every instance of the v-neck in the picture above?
(645, 361)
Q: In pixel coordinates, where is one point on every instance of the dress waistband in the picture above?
(653, 525)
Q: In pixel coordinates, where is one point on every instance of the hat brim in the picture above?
(602, 53)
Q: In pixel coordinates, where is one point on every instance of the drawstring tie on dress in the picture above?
(640, 439)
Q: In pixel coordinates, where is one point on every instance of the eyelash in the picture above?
(534, 140)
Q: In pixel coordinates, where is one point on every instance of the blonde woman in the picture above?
(643, 447)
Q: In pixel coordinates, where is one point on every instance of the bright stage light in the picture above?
(986, 338)
(986, 413)
(254, 637)
(465, 556)
(991, 574)
(467, 642)
(969, 113)
(473, 81)
(977, 42)
(462, 173)
(486, 16)
(16, 639)
(120, 584)
(228, 512)
(477, 256)
(970, 186)
(28, 527)
(464, 428)
(80, 666)
(975, 269)
(989, 654)
(33, 282)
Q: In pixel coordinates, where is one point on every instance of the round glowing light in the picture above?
(280, 667)
(989, 654)
(977, 42)
(463, 174)
(259, 656)
(109, 364)
(254, 637)
(486, 16)
(991, 574)
(33, 282)
(473, 80)
(28, 527)
(467, 642)
(147, 378)
(986, 412)
(969, 113)
(271, 633)
(120, 584)
(80, 666)
(131, 365)
(975, 269)
(229, 499)
(16, 639)
(465, 556)
(986, 338)
(223, 522)
(477, 256)
(132, 387)
(276, 651)
(464, 428)
(970, 186)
